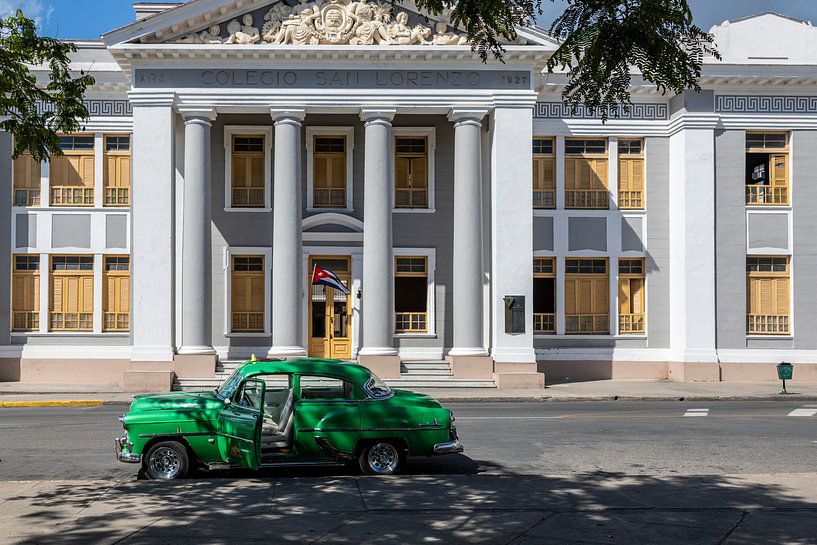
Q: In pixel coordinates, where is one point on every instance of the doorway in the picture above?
(330, 311)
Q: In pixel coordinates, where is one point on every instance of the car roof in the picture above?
(318, 366)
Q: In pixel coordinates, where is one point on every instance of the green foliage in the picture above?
(34, 112)
(603, 39)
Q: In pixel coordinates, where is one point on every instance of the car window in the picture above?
(250, 394)
(277, 388)
(317, 387)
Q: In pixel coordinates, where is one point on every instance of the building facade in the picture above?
(488, 234)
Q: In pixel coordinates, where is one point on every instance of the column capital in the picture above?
(197, 114)
(287, 115)
(467, 115)
(151, 98)
(378, 114)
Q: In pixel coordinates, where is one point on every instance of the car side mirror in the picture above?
(227, 401)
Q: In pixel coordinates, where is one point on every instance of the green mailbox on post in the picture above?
(784, 373)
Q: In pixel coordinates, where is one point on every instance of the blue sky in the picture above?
(88, 19)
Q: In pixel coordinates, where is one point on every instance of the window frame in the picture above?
(610, 300)
(54, 274)
(621, 276)
(545, 156)
(642, 157)
(230, 132)
(588, 156)
(771, 152)
(430, 254)
(34, 273)
(348, 133)
(788, 275)
(239, 251)
(430, 134)
(95, 153)
(554, 275)
(116, 153)
(33, 193)
(233, 272)
(120, 274)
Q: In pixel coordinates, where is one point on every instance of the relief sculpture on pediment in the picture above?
(329, 22)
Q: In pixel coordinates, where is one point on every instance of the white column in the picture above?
(378, 257)
(467, 316)
(196, 311)
(692, 245)
(288, 278)
(512, 229)
(152, 259)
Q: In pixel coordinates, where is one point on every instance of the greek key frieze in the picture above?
(765, 104)
(645, 111)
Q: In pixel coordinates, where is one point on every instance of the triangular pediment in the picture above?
(296, 22)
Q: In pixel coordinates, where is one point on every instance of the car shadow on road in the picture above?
(453, 500)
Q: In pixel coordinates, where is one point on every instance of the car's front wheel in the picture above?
(381, 458)
(166, 460)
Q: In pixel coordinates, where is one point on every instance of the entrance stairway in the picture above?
(413, 374)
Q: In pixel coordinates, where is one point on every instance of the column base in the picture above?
(201, 350)
(286, 352)
(195, 366)
(471, 367)
(148, 376)
(386, 367)
(518, 376)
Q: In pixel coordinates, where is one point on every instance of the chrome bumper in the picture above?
(450, 447)
(124, 456)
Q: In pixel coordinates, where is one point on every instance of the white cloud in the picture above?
(33, 9)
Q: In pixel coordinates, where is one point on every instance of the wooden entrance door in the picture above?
(330, 312)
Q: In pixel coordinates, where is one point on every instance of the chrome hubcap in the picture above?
(383, 458)
(164, 463)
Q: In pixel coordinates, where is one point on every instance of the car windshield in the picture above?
(227, 388)
(376, 388)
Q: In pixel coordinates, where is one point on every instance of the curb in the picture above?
(551, 399)
(52, 403)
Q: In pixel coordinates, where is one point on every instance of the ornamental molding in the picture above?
(765, 104)
(101, 108)
(647, 111)
(332, 22)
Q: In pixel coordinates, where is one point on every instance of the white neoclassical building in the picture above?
(489, 235)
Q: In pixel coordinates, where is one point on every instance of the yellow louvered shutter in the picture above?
(571, 306)
(402, 169)
(256, 171)
(57, 293)
(599, 174)
(338, 171)
(240, 294)
(624, 296)
(585, 296)
(88, 170)
(239, 171)
(26, 172)
(600, 296)
(780, 178)
(256, 293)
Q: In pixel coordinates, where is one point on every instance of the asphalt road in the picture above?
(629, 437)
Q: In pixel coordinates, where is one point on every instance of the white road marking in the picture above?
(803, 412)
(697, 412)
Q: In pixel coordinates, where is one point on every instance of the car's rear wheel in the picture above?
(166, 460)
(381, 458)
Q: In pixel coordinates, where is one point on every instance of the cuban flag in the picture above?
(325, 277)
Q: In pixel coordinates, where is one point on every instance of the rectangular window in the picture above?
(631, 281)
(411, 294)
(25, 303)
(630, 174)
(248, 172)
(72, 293)
(117, 171)
(411, 172)
(767, 169)
(116, 294)
(329, 172)
(587, 295)
(26, 174)
(544, 173)
(248, 299)
(72, 175)
(767, 295)
(544, 295)
(586, 180)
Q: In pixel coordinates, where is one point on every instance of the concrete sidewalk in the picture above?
(279, 507)
(19, 394)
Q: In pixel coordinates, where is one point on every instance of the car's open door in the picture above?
(239, 425)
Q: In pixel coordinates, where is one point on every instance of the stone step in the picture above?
(425, 365)
(435, 372)
(437, 383)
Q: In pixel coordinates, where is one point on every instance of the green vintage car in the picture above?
(297, 411)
